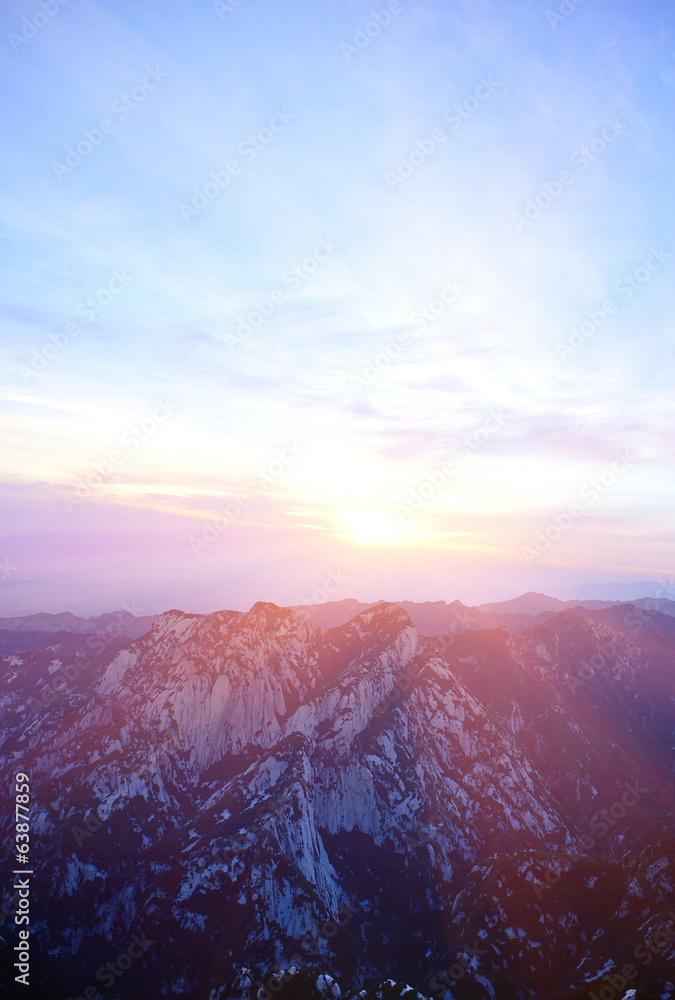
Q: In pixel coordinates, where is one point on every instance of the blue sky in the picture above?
(330, 144)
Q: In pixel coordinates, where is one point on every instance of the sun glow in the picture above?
(371, 527)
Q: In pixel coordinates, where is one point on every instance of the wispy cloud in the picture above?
(493, 348)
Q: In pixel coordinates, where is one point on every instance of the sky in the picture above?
(308, 301)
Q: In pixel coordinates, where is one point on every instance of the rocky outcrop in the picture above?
(459, 814)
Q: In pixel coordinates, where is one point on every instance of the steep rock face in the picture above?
(249, 789)
(232, 681)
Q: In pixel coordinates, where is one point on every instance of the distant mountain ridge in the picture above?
(430, 617)
(438, 617)
(30, 632)
(534, 604)
(128, 624)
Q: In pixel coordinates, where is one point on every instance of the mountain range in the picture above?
(420, 799)
(127, 623)
(437, 617)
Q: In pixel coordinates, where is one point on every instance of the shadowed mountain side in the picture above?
(251, 791)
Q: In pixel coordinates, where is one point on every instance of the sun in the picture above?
(370, 527)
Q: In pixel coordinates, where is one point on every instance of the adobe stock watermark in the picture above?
(274, 981)
(652, 947)
(207, 869)
(293, 277)
(222, 8)
(109, 973)
(7, 570)
(261, 480)
(92, 824)
(598, 661)
(249, 150)
(372, 29)
(333, 582)
(120, 109)
(436, 479)
(469, 960)
(581, 159)
(600, 825)
(89, 309)
(268, 474)
(591, 492)
(625, 287)
(411, 161)
(634, 620)
(130, 441)
(402, 685)
(565, 10)
(424, 148)
(327, 930)
(229, 513)
(420, 321)
(561, 522)
(96, 644)
(31, 26)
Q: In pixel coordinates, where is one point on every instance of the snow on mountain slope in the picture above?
(233, 783)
